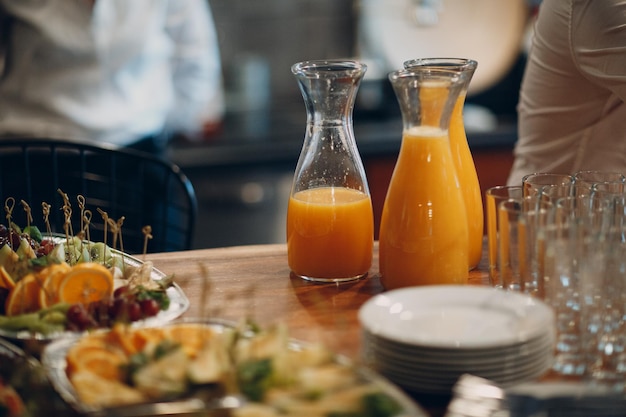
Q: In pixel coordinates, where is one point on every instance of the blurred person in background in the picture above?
(126, 72)
(572, 105)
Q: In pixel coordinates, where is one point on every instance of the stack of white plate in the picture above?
(425, 338)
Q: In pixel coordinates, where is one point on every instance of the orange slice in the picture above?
(147, 336)
(5, 279)
(193, 337)
(85, 283)
(24, 297)
(133, 340)
(98, 358)
(50, 278)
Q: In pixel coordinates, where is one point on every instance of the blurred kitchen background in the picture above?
(242, 175)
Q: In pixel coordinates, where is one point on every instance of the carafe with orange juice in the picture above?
(424, 229)
(463, 160)
(330, 219)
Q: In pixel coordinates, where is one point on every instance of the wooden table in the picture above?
(255, 282)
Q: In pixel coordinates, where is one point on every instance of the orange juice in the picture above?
(330, 233)
(424, 233)
(468, 178)
(432, 100)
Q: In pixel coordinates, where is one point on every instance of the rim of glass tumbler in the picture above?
(500, 190)
(579, 176)
(313, 68)
(535, 175)
(453, 63)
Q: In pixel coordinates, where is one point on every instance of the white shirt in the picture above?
(110, 70)
(572, 111)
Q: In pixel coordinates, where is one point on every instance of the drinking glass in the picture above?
(579, 225)
(521, 243)
(493, 197)
(570, 255)
(599, 176)
(536, 183)
(601, 181)
(603, 312)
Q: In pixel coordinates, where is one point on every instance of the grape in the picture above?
(100, 311)
(127, 305)
(79, 317)
(122, 291)
(121, 310)
(134, 311)
(117, 310)
(45, 247)
(149, 307)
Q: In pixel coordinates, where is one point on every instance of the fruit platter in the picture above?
(53, 285)
(102, 331)
(193, 365)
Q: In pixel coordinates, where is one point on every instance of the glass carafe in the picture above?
(330, 220)
(463, 160)
(423, 232)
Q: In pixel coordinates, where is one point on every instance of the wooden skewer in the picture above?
(29, 216)
(45, 208)
(147, 235)
(9, 204)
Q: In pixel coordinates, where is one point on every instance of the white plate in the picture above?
(179, 303)
(436, 365)
(443, 385)
(455, 317)
(447, 355)
(433, 374)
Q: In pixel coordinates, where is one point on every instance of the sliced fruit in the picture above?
(164, 376)
(8, 258)
(122, 336)
(85, 283)
(192, 336)
(101, 360)
(134, 340)
(95, 390)
(25, 251)
(50, 278)
(5, 279)
(24, 297)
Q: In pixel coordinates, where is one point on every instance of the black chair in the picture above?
(131, 188)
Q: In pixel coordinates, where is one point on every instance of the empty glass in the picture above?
(521, 244)
(493, 197)
(536, 183)
(572, 241)
(603, 311)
